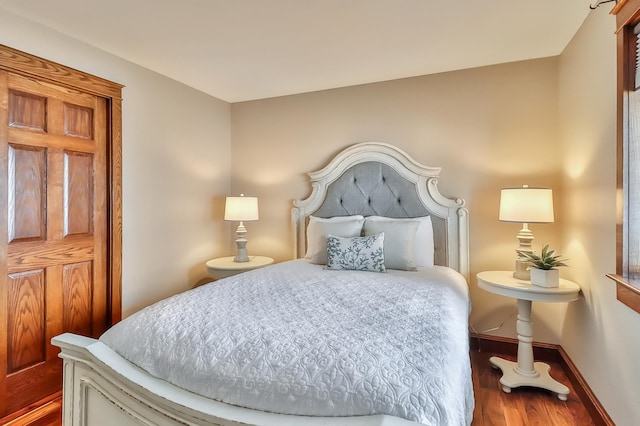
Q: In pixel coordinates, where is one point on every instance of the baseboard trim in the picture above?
(548, 353)
(595, 408)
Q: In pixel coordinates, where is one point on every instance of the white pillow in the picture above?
(399, 241)
(423, 248)
(357, 253)
(319, 228)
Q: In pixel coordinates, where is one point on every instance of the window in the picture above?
(627, 276)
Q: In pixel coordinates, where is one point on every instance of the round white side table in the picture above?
(526, 372)
(223, 267)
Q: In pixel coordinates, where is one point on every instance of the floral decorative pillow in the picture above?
(356, 253)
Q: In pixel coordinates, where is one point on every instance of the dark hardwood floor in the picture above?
(522, 407)
(47, 414)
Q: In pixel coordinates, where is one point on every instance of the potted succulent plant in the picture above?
(544, 267)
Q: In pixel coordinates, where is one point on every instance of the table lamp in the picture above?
(525, 205)
(241, 209)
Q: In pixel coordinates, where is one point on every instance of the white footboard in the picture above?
(102, 388)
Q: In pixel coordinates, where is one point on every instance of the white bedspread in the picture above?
(295, 338)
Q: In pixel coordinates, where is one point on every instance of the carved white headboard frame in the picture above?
(449, 216)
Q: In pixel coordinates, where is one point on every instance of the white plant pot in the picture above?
(545, 277)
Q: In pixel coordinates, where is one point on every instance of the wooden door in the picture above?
(53, 141)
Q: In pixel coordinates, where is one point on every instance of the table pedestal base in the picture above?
(539, 377)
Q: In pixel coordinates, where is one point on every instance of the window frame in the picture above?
(627, 276)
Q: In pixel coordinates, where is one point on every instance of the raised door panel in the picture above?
(26, 320)
(26, 193)
(78, 193)
(33, 370)
(27, 111)
(78, 121)
(77, 293)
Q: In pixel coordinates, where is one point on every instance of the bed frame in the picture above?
(102, 388)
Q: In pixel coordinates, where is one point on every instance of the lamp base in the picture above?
(522, 272)
(241, 258)
(241, 244)
(241, 255)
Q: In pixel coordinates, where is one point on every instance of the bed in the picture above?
(367, 325)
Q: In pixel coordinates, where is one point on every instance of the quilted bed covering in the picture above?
(296, 338)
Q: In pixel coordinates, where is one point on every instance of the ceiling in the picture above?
(239, 50)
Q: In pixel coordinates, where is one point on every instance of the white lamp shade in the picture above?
(241, 208)
(526, 205)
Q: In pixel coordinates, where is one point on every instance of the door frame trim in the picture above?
(28, 65)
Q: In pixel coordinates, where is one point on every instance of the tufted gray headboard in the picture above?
(374, 178)
(371, 188)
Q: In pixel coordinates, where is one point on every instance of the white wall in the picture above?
(176, 159)
(600, 335)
